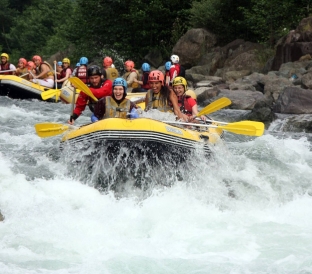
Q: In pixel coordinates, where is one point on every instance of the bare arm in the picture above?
(176, 109)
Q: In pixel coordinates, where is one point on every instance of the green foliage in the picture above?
(131, 28)
(40, 29)
(222, 18)
(269, 20)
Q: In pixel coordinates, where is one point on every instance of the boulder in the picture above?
(298, 123)
(242, 99)
(193, 45)
(294, 100)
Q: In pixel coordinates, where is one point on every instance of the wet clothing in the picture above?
(108, 107)
(129, 76)
(7, 66)
(111, 73)
(157, 101)
(83, 100)
(174, 72)
(145, 87)
(186, 104)
(82, 73)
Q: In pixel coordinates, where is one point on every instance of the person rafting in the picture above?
(117, 105)
(82, 70)
(99, 87)
(65, 73)
(146, 68)
(187, 104)
(111, 72)
(167, 73)
(22, 70)
(6, 68)
(44, 73)
(130, 75)
(160, 97)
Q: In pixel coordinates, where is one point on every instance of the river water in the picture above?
(248, 210)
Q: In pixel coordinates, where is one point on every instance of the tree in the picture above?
(130, 28)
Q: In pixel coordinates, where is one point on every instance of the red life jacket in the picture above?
(184, 105)
(145, 80)
(63, 72)
(82, 74)
(6, 66)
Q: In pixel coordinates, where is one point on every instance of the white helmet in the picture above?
(174, 59)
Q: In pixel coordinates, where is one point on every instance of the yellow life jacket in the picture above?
(156, 101)
(49, 73)
(126, 75)
(111, 73)
(113, 110)
(22, 72)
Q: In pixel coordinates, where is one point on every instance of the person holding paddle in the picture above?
(6, 68)
(44, 73)
(65, 73)
(99, 87)
(187, 104)
(22, 70)
(160, 97)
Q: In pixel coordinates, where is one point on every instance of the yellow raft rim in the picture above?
(144, 130)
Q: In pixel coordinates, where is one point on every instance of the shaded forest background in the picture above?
(127, 29)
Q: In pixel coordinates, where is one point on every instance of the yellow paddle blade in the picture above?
(245, 127)
(258, 125)
(50, 129)
(214, 106)
(45, 95)
(83, 87)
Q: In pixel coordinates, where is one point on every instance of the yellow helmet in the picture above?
(66, 60)
(180, 81)
(5, 55)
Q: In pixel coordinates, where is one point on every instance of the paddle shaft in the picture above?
(4, 71)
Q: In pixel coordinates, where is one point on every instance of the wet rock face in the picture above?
(1, 217)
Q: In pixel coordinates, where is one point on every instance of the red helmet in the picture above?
(156, 76)
(130, 64)
(30, 64)
(37, 57)
(107, 61)
(23, 60)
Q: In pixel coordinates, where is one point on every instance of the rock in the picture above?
(294, 100)
(274, 86)
(306, 80)
(261, 112)
(1, 217)
(242, 99)
(234, 75)
(192, 45)
(296, 44)
(299, 123)
(154, 58)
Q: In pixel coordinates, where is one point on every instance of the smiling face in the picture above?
(37, 62)
(118, 92)
(155, 86)
(179, 90)
(3, 60)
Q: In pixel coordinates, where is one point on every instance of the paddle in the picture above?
(250, 128)
(50, 93)
(82, 86)
(214, 106)
(55, 75)
(4, 71)
(51, 129)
